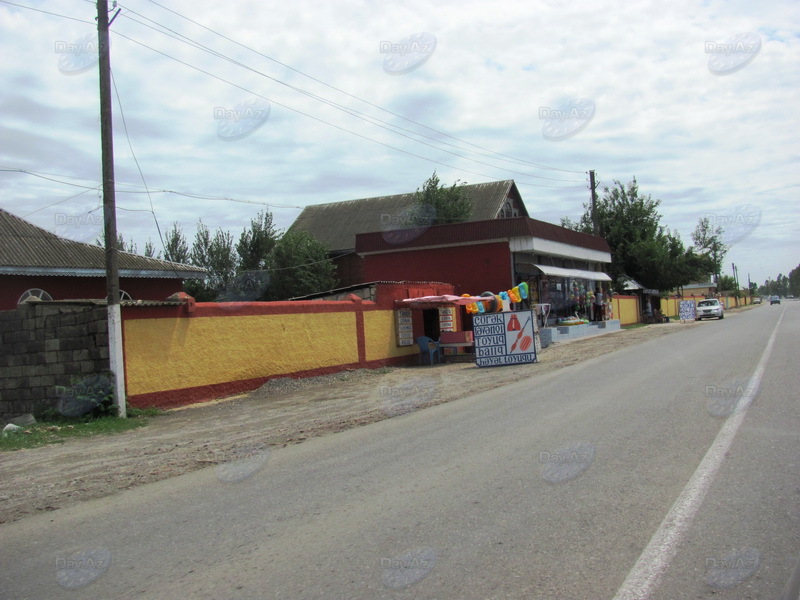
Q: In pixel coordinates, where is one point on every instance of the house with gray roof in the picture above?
(35, 263)
(336, 224)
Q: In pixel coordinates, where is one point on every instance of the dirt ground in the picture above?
(282, 412)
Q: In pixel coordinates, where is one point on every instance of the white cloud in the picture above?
(698, 141)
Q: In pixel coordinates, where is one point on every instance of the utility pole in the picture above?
(595, 226)
(115, 353)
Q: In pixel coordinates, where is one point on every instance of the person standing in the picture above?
(598, 304)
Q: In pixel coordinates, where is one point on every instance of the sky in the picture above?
(225, 109)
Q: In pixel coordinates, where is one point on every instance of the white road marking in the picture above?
(646, 574)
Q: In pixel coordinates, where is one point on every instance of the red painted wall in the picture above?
(82, 288)
(471, 269)
(349, 270)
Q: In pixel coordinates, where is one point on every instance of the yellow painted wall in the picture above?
(166, 354)
(380, 336)
(669, 307)
(626, 310)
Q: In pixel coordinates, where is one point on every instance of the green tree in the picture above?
(580, 225)
(201, 246)
(708, 242)
(641, 248)
(794, 282)
(726, 283)
(150, 250)
(215, 254)
(256, 243)
(299, 265)
(122, 245)
(175, 247)
(222, 261)
(436, 204)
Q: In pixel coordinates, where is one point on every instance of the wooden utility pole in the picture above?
(595, 226)
(115, 355)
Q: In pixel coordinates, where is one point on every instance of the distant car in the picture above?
(710, 308)
(774, 300)
(757, 300)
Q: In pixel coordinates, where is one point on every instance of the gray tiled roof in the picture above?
(26, 249)
(337, 223)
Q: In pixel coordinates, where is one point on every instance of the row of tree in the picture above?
(263, 264)
(644, 250)
(782, 286)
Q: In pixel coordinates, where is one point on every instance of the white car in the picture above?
(710, 308)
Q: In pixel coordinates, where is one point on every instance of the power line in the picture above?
(392, 128)
(345, 109)
(47, 12)
(136, 160)
(339, 127)
(299, 72)
(42, 175)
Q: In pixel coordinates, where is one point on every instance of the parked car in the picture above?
(774, 300)
(757, 300)
(710, 308)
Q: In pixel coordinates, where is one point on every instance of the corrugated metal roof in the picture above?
(30, 250)
(493, 229)
(337, 223)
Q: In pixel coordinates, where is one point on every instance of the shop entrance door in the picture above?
(430, 323)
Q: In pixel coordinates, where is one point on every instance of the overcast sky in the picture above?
(698, 100)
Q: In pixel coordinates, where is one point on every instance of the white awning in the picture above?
(573, 273)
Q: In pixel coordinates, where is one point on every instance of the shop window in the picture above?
(508, 210)
(36, 293)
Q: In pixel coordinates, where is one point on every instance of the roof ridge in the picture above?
(33, 246)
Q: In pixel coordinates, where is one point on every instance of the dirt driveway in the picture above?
(281, 412)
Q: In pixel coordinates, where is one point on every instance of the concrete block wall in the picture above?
(551, 335)
(46, 347)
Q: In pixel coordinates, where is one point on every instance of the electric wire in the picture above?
(320, 120)
(151, 190)
(386, 125)
(197, 45)
(136, 160)
(299, 72)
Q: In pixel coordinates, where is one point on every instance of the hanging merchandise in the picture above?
(491, 303)
(499, 305)
(471, 308)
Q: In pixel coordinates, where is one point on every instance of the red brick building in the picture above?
(37, 263)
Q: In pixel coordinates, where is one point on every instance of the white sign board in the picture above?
(505, 338)
(405, 327)
(687, 310)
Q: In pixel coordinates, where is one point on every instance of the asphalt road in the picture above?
(668, 470)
